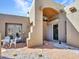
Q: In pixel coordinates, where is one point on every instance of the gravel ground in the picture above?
(48, 51)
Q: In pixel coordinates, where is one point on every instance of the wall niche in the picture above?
(72, 9)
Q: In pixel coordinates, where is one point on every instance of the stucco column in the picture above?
(50, 32)
(45, 29)
(36, 36)
(61, 26)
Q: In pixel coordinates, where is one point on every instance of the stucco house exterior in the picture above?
(47, 20)
(53, 21)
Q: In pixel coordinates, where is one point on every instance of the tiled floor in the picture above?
(48, 50)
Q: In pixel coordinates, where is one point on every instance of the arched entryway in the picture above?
(50, 23)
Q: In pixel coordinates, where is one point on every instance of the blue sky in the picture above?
(15, 7)
(64, 2)
(21, 7)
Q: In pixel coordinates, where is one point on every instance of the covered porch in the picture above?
(54, 24)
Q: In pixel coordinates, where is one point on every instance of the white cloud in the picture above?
(64, 1)
(23, 5)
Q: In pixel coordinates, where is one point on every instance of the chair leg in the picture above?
(3, 44)
(15, 45)
(10, 45)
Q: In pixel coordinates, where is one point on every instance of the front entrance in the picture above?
(55, 32)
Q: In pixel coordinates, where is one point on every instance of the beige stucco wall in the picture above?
(73, 17)
(74, 4)
(36, 37)
(72, 35)
(73, 24)
(4, 18)
(51, 4)
(73, 29)
(45, 30)
(62, 26)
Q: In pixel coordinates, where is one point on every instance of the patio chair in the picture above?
(13, 41)
(6, 40)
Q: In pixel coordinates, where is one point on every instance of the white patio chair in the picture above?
(6, 40)
(13, 41)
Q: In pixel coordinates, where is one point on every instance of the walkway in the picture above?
(49, 51)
